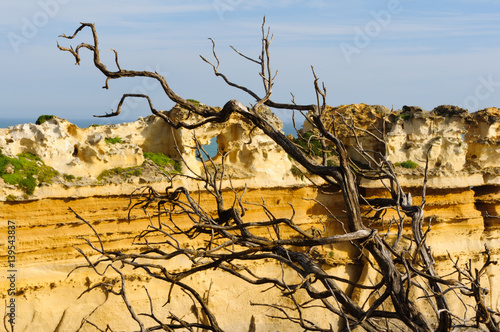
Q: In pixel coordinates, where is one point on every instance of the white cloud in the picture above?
(418, 56)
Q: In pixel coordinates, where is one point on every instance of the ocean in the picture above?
(82, 123)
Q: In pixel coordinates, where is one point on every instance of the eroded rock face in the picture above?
(69, 149)
(439, 133)
(483, 137)
(454, 140)
(250, 154)
(365, 117)
(89, 151)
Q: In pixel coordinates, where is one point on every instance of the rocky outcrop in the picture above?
(463, 149)
(69, 149)
(441, 132)
(85, 153)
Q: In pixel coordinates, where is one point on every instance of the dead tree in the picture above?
(403, 268)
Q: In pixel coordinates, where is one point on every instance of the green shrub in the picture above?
(28, 184)
(69, 177)
(28, 171)
(314, 147)
(10, 198)
(109, 173)
(297, 172)
(124, 173)
(113, 140)
(134, 172)
(163, 161)
(46, 174)
(42, 118)
(407, 164)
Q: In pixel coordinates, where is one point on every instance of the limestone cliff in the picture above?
(464, 149)
(83, 154)
(464, 184)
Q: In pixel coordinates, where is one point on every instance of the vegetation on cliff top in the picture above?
(42, 118)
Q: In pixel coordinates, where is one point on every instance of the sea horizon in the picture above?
(82, 123)
(85, 123)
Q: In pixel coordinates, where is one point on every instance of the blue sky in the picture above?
(391, 52)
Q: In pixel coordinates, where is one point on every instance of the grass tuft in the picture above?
(113, 140)
(407, 164)
(173, 166)
(124, 173)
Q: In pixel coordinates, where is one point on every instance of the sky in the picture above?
(390, 52)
